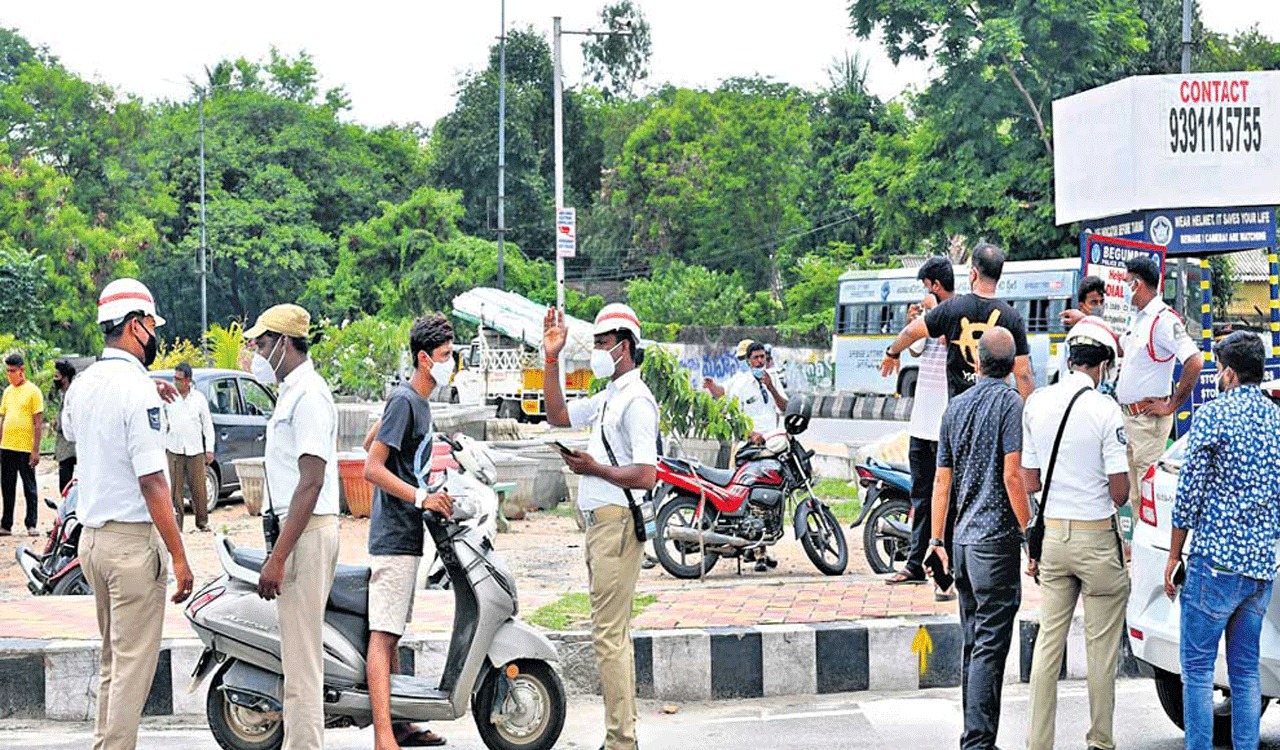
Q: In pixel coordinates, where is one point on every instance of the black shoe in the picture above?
(772, 563)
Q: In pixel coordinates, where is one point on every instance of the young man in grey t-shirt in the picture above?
(399, 465)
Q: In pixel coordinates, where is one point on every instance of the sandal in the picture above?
(903, 577)
(421, 738)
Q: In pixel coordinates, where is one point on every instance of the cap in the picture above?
(287, 320)
(617, 317)
(1094, 331)
(743, 346)
(124, 296)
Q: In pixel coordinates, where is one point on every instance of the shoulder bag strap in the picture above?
(612, 458)
(1057, 441)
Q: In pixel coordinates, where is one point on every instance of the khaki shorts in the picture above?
(391, 592)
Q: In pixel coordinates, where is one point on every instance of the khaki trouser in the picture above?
(1148, 438)
(128, 568)
(1079, 558)
(613, 565)
(308, 576)
(189, 471)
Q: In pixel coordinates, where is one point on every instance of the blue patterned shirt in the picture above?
(1229, 486)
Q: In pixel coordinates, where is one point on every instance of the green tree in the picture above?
(616, 63)
(682, 294)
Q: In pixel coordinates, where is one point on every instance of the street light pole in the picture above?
(204, 290)
(502, 145)
(1186, 36)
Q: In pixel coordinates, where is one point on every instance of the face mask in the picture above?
(441, 372)
(148, 349)
(757, 373)
(261, 366)
(602, 362)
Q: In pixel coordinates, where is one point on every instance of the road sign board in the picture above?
(566, 232)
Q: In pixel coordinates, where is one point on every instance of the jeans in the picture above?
(923, 456)
(990, 591)
(15, 464)
(1214, 601)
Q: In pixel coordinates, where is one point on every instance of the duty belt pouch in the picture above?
(270, 521)
(1035, 530)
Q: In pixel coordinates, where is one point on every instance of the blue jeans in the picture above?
(1214, 601)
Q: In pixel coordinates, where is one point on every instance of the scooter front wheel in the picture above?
(239, 728)
(525, 712)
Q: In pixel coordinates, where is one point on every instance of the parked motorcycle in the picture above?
(886, 514)
(56, 571)
(496, 664)
(705, 514)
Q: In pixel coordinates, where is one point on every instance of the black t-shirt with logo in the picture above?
(962, 320)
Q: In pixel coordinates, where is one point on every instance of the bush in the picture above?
(227, 347)
(174, 353)
(357, 359)
(684, 410)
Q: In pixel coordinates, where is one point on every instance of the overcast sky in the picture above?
(400, 61)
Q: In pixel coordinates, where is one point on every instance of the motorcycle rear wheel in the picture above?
(72, 584)
(823, 539)
(536, 701)
(885, 550)
(680, 559)
(239, 728)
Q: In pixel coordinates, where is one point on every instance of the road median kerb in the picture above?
(58, 679)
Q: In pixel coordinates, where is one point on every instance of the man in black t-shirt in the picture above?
(399, 466)
(962, 320)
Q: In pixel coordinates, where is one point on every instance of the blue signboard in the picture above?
(1193, 231)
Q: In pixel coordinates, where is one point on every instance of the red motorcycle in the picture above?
(705, 514)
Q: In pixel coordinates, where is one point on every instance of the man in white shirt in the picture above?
(618, 467)
(188, 443)
(1082, 554)
(114, 415)
(758, 393)
(302, 489)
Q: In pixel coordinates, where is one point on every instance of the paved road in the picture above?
(856, 721)
(849, 430)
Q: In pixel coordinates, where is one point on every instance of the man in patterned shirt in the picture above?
(1229, 495)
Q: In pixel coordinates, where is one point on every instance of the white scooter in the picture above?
(496, 664)
(472, 485)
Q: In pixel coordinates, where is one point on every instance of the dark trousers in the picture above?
(990, 590)
(923, 456)
(14, 464)
(66, 472)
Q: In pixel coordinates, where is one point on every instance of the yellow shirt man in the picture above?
(18, 406)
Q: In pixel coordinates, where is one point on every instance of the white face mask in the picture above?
(602, 362)
(442, 372)
(261, 366)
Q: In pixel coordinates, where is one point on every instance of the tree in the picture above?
(615, 62)
(682, 294)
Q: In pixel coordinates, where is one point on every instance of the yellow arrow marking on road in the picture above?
(922, 645)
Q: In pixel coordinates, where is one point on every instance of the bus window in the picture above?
(1043, 314)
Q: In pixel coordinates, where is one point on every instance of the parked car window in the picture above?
(224, 398)
(257, 400)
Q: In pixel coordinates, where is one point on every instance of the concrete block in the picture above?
(868, 410)
(1077, 659)
(182, 662)
(902, 410)
(893, 664)
(429, 654)
(681, 665)
(70, 681)
(825, 405)
(789, 659)
(884, 407)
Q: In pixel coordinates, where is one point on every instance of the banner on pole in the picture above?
(1105, 257)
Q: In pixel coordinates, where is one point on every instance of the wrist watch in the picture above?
(937, 543)
(419, 496)
(890, 354)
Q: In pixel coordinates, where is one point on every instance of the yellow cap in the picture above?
(288, 320)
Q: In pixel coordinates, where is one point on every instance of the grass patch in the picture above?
(571, 610)
(563, 510)
(841, 497)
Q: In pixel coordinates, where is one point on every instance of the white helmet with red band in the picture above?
(1095, 331)
(124, 296)
(617, 317)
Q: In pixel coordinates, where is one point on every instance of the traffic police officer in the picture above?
(302, 490)
(1082, 554)
(113, 413)
(620, 463)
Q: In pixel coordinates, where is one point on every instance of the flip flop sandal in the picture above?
(901, 579)
(421, 738)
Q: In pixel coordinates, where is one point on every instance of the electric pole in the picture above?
(502, 145)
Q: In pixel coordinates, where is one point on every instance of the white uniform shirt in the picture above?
(756, 401)
(188, 425)
(931, 391)
(627, 413)
(1142, 377)
(304, 423)
(1093, 448)
(116, 418)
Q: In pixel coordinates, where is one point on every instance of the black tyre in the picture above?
(72, 584)
(531, 713)
(822, 538)
(680, 559)
(885, 551)
(907, 382)
(239, 728)
(1169, 691)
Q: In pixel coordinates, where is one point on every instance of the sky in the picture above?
(401, 61)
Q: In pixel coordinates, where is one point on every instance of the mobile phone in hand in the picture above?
(1180, 574)
(562, 447)
(933, 564)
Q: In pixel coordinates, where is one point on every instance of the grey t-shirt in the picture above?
(395, 526)
(980, 427)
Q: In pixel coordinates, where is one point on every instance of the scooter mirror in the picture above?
(50, 504)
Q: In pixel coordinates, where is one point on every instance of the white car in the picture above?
(1153, 619)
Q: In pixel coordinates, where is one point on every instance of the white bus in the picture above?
(871, 310)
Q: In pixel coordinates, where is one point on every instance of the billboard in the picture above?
(1148, 142)
(1105, 257)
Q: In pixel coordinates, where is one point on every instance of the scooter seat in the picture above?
(719, 477)
(905, 469)
(350, 592)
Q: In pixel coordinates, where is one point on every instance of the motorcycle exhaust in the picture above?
(894, 528)
(709, 538)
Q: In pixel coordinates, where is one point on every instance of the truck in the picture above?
(503, 364)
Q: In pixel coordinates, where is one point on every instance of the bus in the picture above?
(871, 310)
